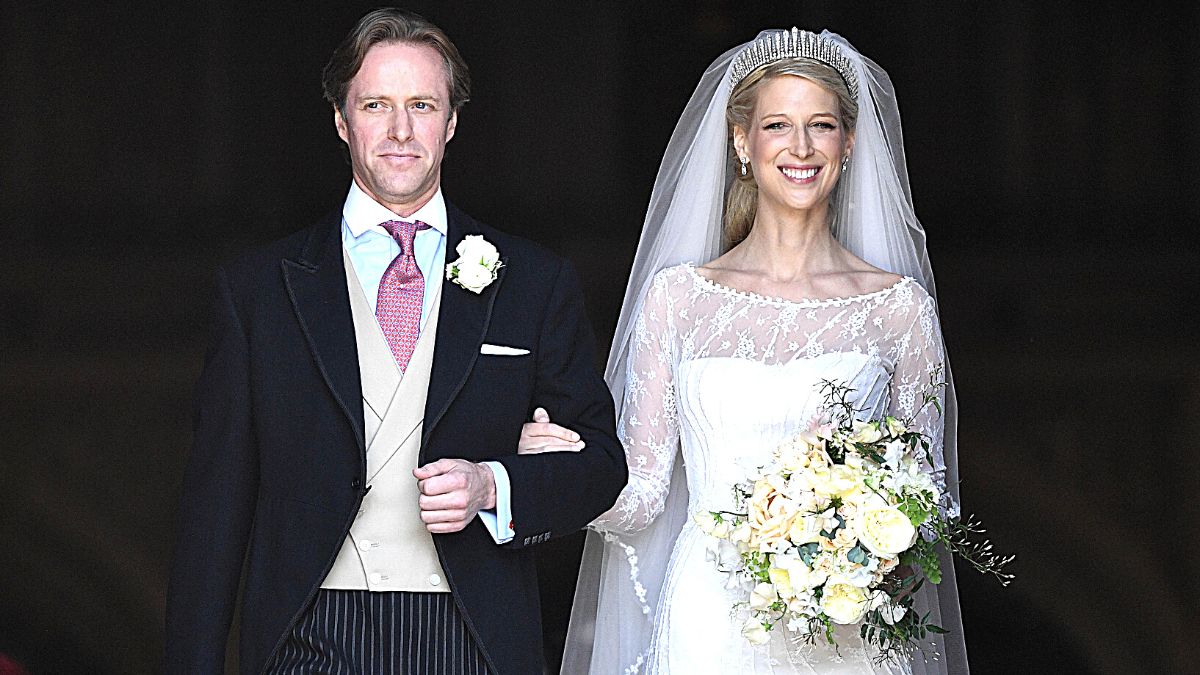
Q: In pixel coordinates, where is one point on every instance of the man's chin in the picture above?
(407, 196)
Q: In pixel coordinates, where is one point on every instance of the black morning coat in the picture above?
(276, 473)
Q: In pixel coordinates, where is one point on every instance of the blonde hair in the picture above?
(741, 202)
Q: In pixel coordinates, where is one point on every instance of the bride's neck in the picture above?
(786, 249)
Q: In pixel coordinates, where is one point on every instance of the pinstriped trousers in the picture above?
(365, 633)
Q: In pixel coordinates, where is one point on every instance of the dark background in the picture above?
(1052, 150)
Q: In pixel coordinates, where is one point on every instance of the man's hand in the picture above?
(542, 436)
(453, 491)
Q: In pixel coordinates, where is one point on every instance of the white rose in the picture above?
(894, 426)
(754, 631)
(763, 596)
(800, 577)
(865, 432)
(705, 520)
(724, 554)
(474, 277)
(893, 454)
(861, 576)
(740, 534)
(843, 603)
(802, 605)
(793, 455)
(890, 611)
(893, 613)
(885, 531)
(839, 481)
(782, 582)
(721, 530)
(863, 500)
(805, 529)
(474, 249)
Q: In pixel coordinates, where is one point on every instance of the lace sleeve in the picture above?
(648, 424)
(921, 363)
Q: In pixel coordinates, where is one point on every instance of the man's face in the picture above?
(396, 124)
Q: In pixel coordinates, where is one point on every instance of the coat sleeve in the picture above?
(558, 493)
(216, 507)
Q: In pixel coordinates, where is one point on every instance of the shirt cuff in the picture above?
(499, 520)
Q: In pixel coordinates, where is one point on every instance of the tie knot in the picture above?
(403, 232)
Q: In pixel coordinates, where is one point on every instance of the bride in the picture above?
(786, 174)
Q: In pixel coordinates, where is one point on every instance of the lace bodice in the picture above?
(731, 374)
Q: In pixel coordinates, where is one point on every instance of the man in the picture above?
(358, 413)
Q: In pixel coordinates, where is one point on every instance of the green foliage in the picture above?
(923, 557)
(858, 554)
(916, 509)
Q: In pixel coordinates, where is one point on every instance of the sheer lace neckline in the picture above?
(718, 287)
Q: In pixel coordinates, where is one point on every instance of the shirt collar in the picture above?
(362, 213)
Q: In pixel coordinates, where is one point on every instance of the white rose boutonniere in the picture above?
(477, 265)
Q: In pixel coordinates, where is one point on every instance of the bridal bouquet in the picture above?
(840, 527)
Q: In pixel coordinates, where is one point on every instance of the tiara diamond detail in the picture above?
(793, 44)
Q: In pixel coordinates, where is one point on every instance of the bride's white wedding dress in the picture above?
(725, 376)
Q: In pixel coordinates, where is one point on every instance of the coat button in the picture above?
(356, 483)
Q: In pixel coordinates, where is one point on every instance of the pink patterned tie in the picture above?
(401, 293)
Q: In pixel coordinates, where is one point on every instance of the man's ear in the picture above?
(339, 123)
(451, 125)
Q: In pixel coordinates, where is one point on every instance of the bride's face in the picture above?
(795, 144)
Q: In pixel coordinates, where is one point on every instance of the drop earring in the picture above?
(743, 160)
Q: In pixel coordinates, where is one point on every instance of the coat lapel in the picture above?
(316, 284)
(462, 324)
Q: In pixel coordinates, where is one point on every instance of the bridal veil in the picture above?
(622, 575)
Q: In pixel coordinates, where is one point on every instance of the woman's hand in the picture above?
(542, 436)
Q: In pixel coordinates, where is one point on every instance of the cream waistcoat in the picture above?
(388, 548)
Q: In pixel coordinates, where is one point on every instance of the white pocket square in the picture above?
(501, 350)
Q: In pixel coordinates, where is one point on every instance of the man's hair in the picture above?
(392, 25)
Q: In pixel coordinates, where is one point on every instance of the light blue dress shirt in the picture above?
(371, 250)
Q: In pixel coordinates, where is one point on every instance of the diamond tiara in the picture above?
(793, 44)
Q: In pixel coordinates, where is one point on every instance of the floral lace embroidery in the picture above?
(686, 317)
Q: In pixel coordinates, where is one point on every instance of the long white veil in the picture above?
(621, 577)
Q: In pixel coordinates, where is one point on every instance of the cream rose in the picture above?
(885, 531)
(843, 603)
(771, 516)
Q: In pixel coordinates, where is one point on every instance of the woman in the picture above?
(788, 162)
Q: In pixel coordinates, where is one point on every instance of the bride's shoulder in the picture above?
(673, 278)
(676, 273)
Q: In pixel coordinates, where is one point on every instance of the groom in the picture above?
(354, 465)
